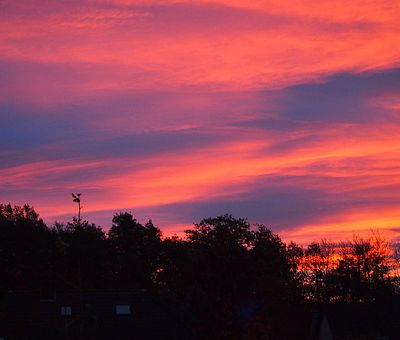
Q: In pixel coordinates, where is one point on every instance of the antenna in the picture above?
(77, 199)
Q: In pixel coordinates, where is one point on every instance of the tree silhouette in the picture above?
(229, 279)
(26, 250)
(218, 270)
(83, 255)
(348, 271)
(135, 251)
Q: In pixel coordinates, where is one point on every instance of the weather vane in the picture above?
(77, 199)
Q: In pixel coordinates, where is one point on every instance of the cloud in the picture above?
(142, 164)
(287, 114)
(204, 45)
(343, 98)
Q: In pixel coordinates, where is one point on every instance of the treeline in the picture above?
(231, 278)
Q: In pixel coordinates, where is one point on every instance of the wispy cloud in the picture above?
(287, 114)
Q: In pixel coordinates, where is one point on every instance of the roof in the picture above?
(151, 315)
(361, 320)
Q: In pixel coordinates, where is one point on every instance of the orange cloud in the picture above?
(213, 45)
(360, 223)
(245, 95)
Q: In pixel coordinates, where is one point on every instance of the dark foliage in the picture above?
(232, 281)
(27, 250)
(135, 252)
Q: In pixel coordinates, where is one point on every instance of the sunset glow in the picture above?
(284, 112)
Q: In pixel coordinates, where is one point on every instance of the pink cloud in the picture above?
(211, 46)
(163, 106)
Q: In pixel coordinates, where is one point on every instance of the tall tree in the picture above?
(357, 271)
(363, 273)
(83, 255)
(135, 251)
(219, 255)
(26, 250)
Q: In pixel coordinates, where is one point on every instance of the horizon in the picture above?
(180, 230)
(287, 114)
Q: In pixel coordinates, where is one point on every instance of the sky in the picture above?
(283, 112)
